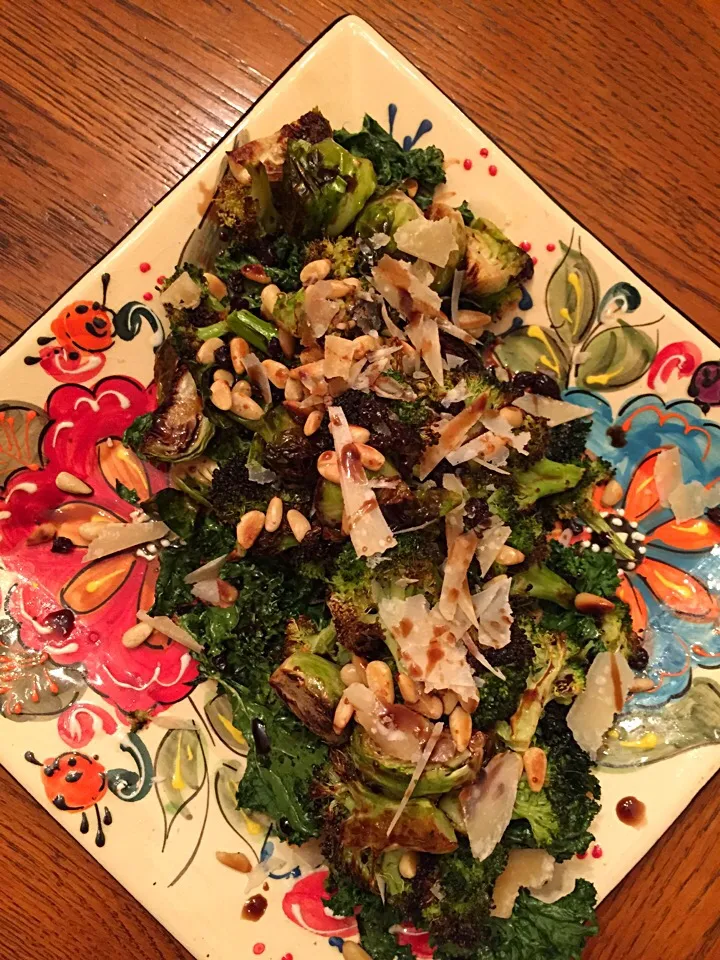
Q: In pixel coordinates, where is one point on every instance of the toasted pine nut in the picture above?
(255, 272)
(277, 373)
(239, 348)
(224, 375)
(293, 390)
(268, 299)
(136, 635)
(237, 861)
(243, 388)
(352, 673)
(535, 763)
(353, 951)
(91, 529)
(354, 283)
(359, 434)
(593, 605)
(44, 532)
(370, 458)
(642, 685)
(249, 528)
(299, 524)
(215, 285)
(338, 289)
(206, 352)
(246, 407)
(408, 864)
(508, 556)
(411, 186)
(343, 715)
(314, 271)
(380, 680)
(228, 594)
(69, 483)
(513, 415)
(472, 319)
(364, 345)
(220, 395)
(310, 355)
(328, 466)
(612, 493)
(274, 515)
(469, 706)
(429, 706)
(408, 688)
(312, 424)
(460, 728)
(450, 700)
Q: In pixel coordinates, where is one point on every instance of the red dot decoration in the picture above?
(484, 152)
(147, 296)
(526, 246)
(258, 949)
(492, 170)
(581, 856)
(467, 164)
(288, 956)
(160, 280)
(597, 851)
(550, 247)
(534, 260)
(144, 267)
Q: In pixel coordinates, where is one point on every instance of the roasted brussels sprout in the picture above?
(311, 687)
(385, 215)
(495, 267)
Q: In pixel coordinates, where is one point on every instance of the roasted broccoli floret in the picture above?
(557, 817)
(342, 254)
(567, 442)
(540, 583)
(499, 698)
(544, 478)
(588, 572)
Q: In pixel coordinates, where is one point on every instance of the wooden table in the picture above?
(612, 105)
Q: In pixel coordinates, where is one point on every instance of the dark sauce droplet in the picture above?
(62, 545)
(84, 823)
(618, 437)
(260, 736)
(100, 837)
(31, 758)
(539, 383)
(631, 812)
(107, 817)
(61, 620)
(254, 908)
(60, 802)
(284, 825)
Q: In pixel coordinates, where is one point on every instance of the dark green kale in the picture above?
(558, 817)
(393, 164)
(588, 572)
(466, 213)
(499, 698)
(175, 509)
(545, 931)
(374, 919)
(127, 494)
(135, 434)
(568, 441)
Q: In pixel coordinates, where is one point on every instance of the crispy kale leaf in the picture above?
(374, 919)
(393, 164)
(588, 572)
(545, 931)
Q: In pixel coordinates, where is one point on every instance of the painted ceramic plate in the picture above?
(155, 806)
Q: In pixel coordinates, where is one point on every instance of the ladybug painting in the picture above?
(84, 331)
(75, 783)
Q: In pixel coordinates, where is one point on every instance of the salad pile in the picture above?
(390, 552)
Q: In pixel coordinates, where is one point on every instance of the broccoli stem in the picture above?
(218, 329)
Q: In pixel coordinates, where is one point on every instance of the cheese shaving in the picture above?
(452, 436)
(402, 289)
(417, 773)
(492, 607)
(320, 310)
(183, 293)
(113, 537)
(456, 568)
(168, 628)
(431, 240)
(691, 500)
(424, 336)
(457, 283)
(606, 687)
(338, 357)
(554, 411)
(487, 804)
(490, 543)
(392, 328)
(480, 656)
(667, 474)
(257, 375)
(369, 530)
(488, 447)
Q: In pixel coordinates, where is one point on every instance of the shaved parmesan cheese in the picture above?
(257, 375)
(378, 240)
(338, 357)
(424, 336)
(208, 591)
(490, 543)
(492, 607)
(691, 500)
(392, 390)
(487, 447)
(369, 530)
(497, 424)
(183, 293)
(113, 537)
(525, 868)
(208, 571)
(457, 283)
(458, 393)
(431, 240)
(168, 628)
(427, 647)
(320, 309)
(393, 329)
(487, 804)
(554, 411)
(402, 289)
(606, 687)
(452, 436)
(456, 331)
(417, 773)
(456, 568)
(667, 473)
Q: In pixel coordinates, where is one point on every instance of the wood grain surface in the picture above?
(612, 105)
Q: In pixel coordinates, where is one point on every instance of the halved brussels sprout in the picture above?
(386, 215)
(311, 687)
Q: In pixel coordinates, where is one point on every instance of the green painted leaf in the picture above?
(534, 348)
(180, 774)
(572, 294)
(220, 717)
(615, 358)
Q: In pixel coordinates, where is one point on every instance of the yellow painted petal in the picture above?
(95, 584)
(70, 516)
(118, 462)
